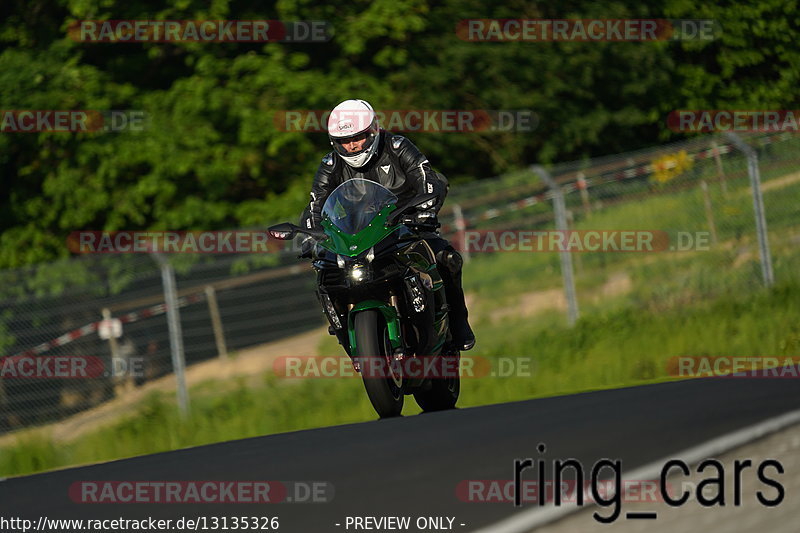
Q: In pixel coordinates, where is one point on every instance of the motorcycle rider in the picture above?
(361, 149)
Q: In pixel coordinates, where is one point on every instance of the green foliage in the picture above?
(212, 156)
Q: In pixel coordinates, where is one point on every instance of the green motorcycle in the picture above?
(384, 298)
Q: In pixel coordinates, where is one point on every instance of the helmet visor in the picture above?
(355, 144)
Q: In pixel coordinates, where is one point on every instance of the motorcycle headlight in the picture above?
(359, 273)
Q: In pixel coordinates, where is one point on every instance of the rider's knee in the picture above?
(451, 260)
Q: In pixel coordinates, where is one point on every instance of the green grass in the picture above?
(629, 346)
(275, 406)
(498, 277)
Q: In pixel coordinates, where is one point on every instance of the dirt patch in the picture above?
(617, 284)
(779, 183)
(531, 303)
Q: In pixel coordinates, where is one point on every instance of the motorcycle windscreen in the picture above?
(353, 204)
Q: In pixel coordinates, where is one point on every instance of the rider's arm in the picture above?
(418, 171)
(323, 185)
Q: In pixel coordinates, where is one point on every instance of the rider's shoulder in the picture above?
(396, 141)
(403, 145)
(328, 160)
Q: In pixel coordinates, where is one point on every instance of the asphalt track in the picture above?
(411, 466)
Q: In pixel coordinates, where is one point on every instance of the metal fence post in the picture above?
(216, 322)
(720, 168)
(175, 333)
(113, 345)
(758, 206)
(112, 340)
(4, 414)
(583, 187)
(712, 226)
(461, 236)
(565, 256)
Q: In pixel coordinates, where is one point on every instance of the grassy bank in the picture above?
(728, 266)
(606, 350)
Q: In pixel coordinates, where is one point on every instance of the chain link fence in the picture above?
(692, 202)
(79, 333)
(104, 318)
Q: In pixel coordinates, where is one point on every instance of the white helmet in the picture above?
(351, 121)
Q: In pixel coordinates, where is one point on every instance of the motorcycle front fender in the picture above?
(389, 314)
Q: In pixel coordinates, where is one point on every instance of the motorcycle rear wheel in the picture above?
(443, 393)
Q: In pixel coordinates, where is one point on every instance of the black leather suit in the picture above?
(400, 167)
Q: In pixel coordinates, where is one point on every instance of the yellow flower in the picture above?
(670, 166)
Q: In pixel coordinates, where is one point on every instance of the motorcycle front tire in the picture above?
(384, 387)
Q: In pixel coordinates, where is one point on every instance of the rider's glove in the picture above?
(421, 219)
(306, 246)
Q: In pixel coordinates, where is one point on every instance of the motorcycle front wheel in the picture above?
(384, 386)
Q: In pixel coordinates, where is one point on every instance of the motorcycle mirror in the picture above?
(283, 232)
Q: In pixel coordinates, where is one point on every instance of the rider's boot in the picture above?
(463, 337)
